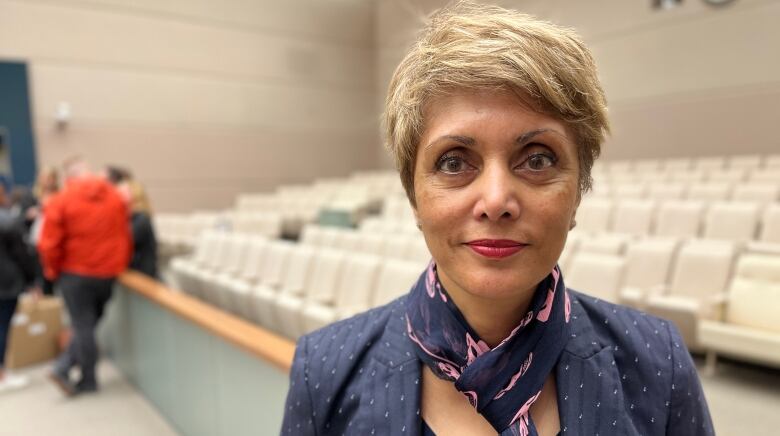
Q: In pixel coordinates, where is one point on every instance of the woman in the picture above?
(495, 119)
(46, 185)
(144, 241)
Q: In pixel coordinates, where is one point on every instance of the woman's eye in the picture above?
(452, 165)
(539, 162)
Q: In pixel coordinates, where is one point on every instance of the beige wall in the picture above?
(201, 99)
(695, 80)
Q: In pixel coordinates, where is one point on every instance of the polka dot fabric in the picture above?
(622, 372)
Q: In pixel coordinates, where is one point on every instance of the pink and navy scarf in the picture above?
(503, 382)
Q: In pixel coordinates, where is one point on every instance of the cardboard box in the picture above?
(34, 333)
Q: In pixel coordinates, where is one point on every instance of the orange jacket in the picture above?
(86, 231)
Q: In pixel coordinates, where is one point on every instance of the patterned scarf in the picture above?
(503, 382)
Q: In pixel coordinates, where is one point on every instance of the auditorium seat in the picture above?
(762, 192)
(183, 267)
(730, 175)
(699, 280)
(633, 217)
(666, 191)
(731, 220)
(235, 290)
(747, 161)
(225, 259)
(629, 190)
(710, 163)
(371, 243)
(286, 272)
(770, 229)
(710, 191)
(594, 215)
(766, 175)
(418, 251)
(772, 161)
(396, 278)
(353, 293)
(679, 219)
(604, 243)
(750, 328)
(679, 164)
(598, 275)
(319, 289)
(648, 265)
(647, 165)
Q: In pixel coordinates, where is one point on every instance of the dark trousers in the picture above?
(85, 299)
(7, 309)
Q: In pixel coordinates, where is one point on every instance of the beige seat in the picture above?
(235, 290)
(418, 251)
(251, 256)
(287, 267)
(677, 164)
(699, 279)
(599, 275)
(396, 246)
(225, 259)
(647, 165)
(396, 278)
(761, 192)
(765, 175)
(371, 243)
(747, 161)
(710, 191)
(594, 215)
(648, 266)
(311, 235)
(319, 289)
(772, 161)
(605, 243)
(770, 224)
(633, 217)
(750, 329)
(732, 221)
(679, 219)
(625, 191)
(731, 175)
(710, 163)
(687, 176)
(183, 268)
(353, 293)
(666, 191)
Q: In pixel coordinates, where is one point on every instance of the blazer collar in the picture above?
(590, 393)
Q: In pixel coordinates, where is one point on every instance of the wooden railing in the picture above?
(265, 345)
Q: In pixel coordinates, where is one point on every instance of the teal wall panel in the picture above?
(201, 384)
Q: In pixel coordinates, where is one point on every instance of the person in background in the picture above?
(85, 243)
(144, 241)
(46, 185)
(17, 273)
(116, 175)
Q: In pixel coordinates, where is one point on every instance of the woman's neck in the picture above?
(492, 318)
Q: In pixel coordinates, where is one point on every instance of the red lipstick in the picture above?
(495, 248)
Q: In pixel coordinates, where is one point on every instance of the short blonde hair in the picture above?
(474, 46)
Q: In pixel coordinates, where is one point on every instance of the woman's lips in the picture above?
(495, 248)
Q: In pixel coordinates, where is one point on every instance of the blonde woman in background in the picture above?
(144, 241)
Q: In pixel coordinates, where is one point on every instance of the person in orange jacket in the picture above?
(84, 244)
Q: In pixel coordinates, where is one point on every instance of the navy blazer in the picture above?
(622, 372)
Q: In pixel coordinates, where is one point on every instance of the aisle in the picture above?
(118, 410)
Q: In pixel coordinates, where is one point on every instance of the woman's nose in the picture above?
(498, 196)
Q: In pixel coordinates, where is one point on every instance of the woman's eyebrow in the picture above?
(527, 136)
(463, 140)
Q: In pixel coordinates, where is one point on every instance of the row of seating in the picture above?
(730, 220)
(409, 246)
(287, 287)
(710, 289)
(764, 191)
(749, 161)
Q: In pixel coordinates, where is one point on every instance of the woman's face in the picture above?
(496, 186)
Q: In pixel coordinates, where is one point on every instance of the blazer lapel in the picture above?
(590, 392)
(392, 403)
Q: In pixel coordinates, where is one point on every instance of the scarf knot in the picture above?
(501, 383)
